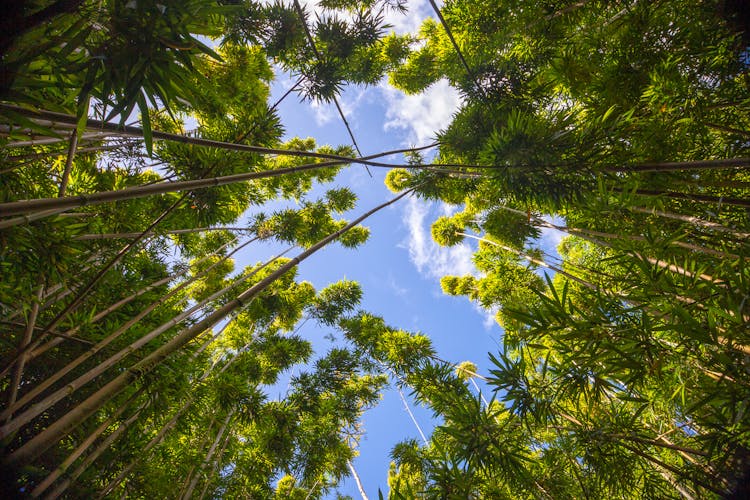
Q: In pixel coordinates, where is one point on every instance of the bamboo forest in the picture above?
(160, 218)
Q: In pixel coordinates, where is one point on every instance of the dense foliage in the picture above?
(137, 362)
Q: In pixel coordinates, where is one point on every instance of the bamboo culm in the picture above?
(49, 381)
(37, 408)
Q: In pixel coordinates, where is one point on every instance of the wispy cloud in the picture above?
(412, 20)
(324, 112)
(421, 115)
(397, 289)
(551, 238)
(431, 259)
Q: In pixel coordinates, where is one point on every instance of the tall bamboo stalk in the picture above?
(64, 392)
(161, 434)
(209, 455)
(36, 349)
(52, 434)
(110, 236)
(91, 458)
(50, 204)
(696, 221)
(357, 480)
(85, 444)
(25, 341)
(533, 260)
(215, 467)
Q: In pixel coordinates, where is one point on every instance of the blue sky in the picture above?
(399, 268)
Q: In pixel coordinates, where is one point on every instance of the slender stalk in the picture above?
(730, 130)
(691, 220)
(671, 166)
(91, 458)
(48, 204)
(85, 444)
(533, 260)
(159, 437)
(457, 49)
(36, 350)
(209, 455)
(698, 198)
(413, 418)
(54, 432)
(674, 470)
(109, 236)
(68, 163)
(357, 480)
(25, 341)
(41, 387)
(311, 41)
(138, 133)
(217, 461)
(26, 417)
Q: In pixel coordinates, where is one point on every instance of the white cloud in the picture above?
(434, 261)
(412, 20)
(399, 290)
(421, 115)
(324, 112)
(431, 259)
(551, 238)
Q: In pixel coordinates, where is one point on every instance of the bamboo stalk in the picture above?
(357, 480)
(25, 341)
(109, 236)
(214, 468)
(137, 132)
(52, 434)
(91, 458)
(209, 455)
(85, 444)
(37, 351)
(31, 413)
(691, 220)
(159, 437)
(533, 260)
(61, 204)
(68, 163)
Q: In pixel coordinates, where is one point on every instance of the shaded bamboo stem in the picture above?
(698, 198)
(137, 132)
(68, 163)
(36, 350)
(25, 341)
(214, 468)
(674, 470)
(209, 455)
(91, 458)
(533, 260)
(159, 437)
(102, 367)
(85, 444)
(61, 204)
(108, 236)
(691, 220)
